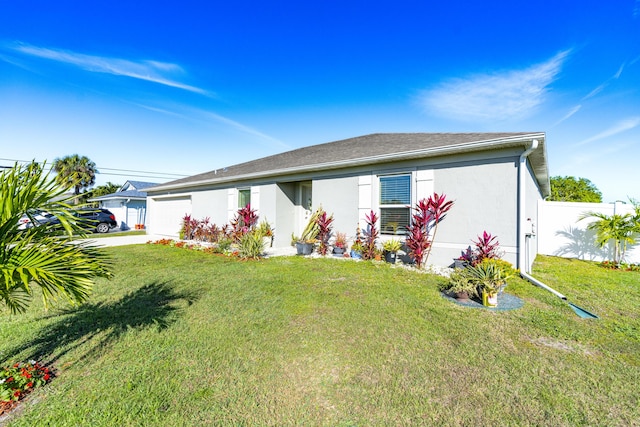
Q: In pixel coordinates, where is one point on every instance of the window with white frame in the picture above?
(395, 201)
(244, 197)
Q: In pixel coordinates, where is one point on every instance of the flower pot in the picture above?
(338, 251)
(356, 255)
(304, 248)
(460, 263)
(462, 296)
(489, 299)
(390, 257)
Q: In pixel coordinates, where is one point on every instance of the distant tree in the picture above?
(100, 190)
(47, 255)
(75, 172)
(570, 189)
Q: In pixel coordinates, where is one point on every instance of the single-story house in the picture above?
(494, 179)
(128, 204)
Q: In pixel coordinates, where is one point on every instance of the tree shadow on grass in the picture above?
(93, 327)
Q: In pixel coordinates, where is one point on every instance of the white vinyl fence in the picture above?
(560, 233)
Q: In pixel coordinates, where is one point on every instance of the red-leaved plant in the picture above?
(486, 247)
(325, 225)
(427, 215)
(244, 221)
(370, 236)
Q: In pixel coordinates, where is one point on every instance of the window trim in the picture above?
(240, 192)
(404, 206)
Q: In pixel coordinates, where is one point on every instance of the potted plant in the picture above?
(305, 243)
(340, 243)
(461, 284)
(391, 248)
(356, 250)
(491, 277)
(357, 247)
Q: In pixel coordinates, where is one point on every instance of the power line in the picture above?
(139, 174)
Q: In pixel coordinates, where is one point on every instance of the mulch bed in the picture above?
(505, 302)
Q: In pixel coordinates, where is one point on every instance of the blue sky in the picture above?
(187, 87)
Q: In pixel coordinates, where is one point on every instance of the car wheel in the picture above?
(103, 227)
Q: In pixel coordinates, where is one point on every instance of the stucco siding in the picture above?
(485, 198)
(339, 196)
(211, 204)
(285, 224)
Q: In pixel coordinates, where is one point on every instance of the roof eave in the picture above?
(474, 146)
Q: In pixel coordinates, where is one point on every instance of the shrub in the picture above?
(325, 225)
(428, 213)
(486, 247)
(251, 245)
(18, 379)
(369, 250)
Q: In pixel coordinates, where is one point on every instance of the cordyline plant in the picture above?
(325, 225)
(370, 236)
(428, 213)
(486, 247)
(244, 221)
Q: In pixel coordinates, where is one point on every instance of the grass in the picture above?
(184, 338)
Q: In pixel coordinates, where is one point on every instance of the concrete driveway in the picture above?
(123, 239)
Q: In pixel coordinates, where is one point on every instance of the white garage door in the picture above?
(166, 217)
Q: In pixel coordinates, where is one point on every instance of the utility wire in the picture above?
(138, 174)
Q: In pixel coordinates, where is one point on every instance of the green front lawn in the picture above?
(185, 338)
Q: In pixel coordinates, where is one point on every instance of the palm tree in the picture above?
(44, 255)
(75, 172)
(622, 229)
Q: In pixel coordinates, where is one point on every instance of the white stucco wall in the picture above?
(485, 199)
(211, 204)
(339, 196)
(561, 233)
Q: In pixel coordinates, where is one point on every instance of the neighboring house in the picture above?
(495, 180)
(128, 204)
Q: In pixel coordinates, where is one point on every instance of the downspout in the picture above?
(522, 235)
(522, 184)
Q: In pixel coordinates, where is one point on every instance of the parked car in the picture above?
(40, 217)
(98, 220)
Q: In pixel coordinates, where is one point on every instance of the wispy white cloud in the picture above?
(204, 116)
(148, 70)
(246, 129)
(596, 91)
(617, 128)
(569, 114)
(606, 83)
(619, 72)
(497, 96)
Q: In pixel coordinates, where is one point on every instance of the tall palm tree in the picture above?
(75, 172)
(44, 255)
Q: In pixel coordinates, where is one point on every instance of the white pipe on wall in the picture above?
(522, 183)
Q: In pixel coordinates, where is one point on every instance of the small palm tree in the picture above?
(623, 230)
(75, 172)
(44, 255)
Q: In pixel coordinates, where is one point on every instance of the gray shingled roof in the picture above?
(368, 149)
(128, 194)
